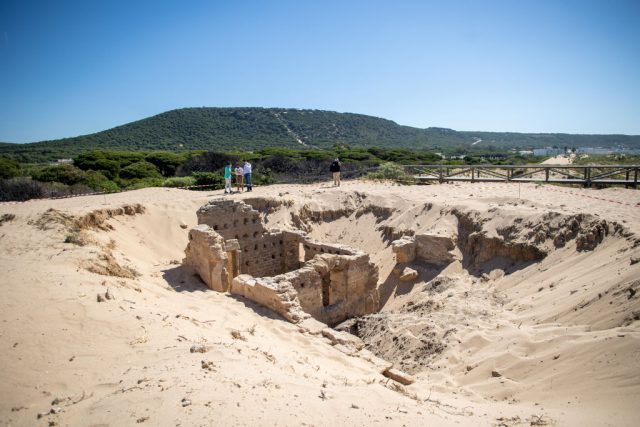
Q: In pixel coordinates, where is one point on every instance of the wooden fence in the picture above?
(601, 175)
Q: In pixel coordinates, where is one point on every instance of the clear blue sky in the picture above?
(74, 67)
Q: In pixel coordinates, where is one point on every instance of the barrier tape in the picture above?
(98, 193)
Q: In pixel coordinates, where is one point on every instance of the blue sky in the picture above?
(69, 68)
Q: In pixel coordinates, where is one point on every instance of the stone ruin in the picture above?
(287, 272)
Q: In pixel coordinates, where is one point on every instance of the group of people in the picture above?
(242, 175)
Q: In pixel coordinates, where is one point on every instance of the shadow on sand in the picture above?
(394, 286)
(185, 279)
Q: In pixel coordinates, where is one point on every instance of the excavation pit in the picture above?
(402, 279)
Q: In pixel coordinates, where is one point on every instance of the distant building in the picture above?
(525, 152)
(549, 151)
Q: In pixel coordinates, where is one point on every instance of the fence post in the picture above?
(587, 176)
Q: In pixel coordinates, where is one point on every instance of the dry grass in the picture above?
(7, 218)
(107, 265)
(237, 335)
(80, 238)
(93, 220)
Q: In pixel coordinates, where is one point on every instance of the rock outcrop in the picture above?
(432, 249)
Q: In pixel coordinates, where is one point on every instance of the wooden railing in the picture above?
(587, 176)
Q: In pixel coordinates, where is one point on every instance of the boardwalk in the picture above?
(601, 175)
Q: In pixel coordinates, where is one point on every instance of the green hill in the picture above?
(228, 129)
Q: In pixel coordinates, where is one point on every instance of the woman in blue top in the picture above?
(227, 178)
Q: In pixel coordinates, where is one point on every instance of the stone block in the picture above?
(343, 338)
(399, 376)
(206, 255)
(408, 274)
(434, 249)
(405, 249)
(380, 365)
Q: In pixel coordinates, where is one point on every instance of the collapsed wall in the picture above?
(285, 271)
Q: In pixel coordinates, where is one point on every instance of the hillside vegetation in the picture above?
(241, 129)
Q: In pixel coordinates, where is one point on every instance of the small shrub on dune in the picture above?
(80, 238)
(215, 180)
(392, 172)
(179, 181)
(136, 184)
(107, 265)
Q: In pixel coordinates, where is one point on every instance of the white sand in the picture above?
(127, 360)
(560, 159)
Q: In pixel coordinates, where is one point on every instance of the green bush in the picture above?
(98, 161)
(216, 180)
(135, 184)
(390, 171)
(263, 177)
(98, 182)
(65, 174)
(166, 162)
(140, 170)
(8, 168)
(179, 181)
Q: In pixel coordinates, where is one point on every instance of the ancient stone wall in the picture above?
(231, 250)
(207, 253)
(330, 288)
(311, 249)
(261, 253)
(232, 220)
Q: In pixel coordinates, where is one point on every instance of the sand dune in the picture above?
(499, 341)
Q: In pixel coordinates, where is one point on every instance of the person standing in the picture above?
(227, 178)
(246, 169)
(335, 169)
(239, 182)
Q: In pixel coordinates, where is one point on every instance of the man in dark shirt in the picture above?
(335, 169)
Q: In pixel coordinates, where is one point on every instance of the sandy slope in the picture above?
(561, 159)
(127, 360)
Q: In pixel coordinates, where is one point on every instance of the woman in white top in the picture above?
(239, 178)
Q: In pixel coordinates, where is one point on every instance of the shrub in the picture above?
(20, 189)
(57, 189)
(135, 184)
(8, 168)
(98, 182)
(166, 162)
(213, 179)
(179, 181)
(96, 160)
(140, 170)
(207, 162)
(263, 177)
(23, 188)
(64, 174)
(390, 171)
